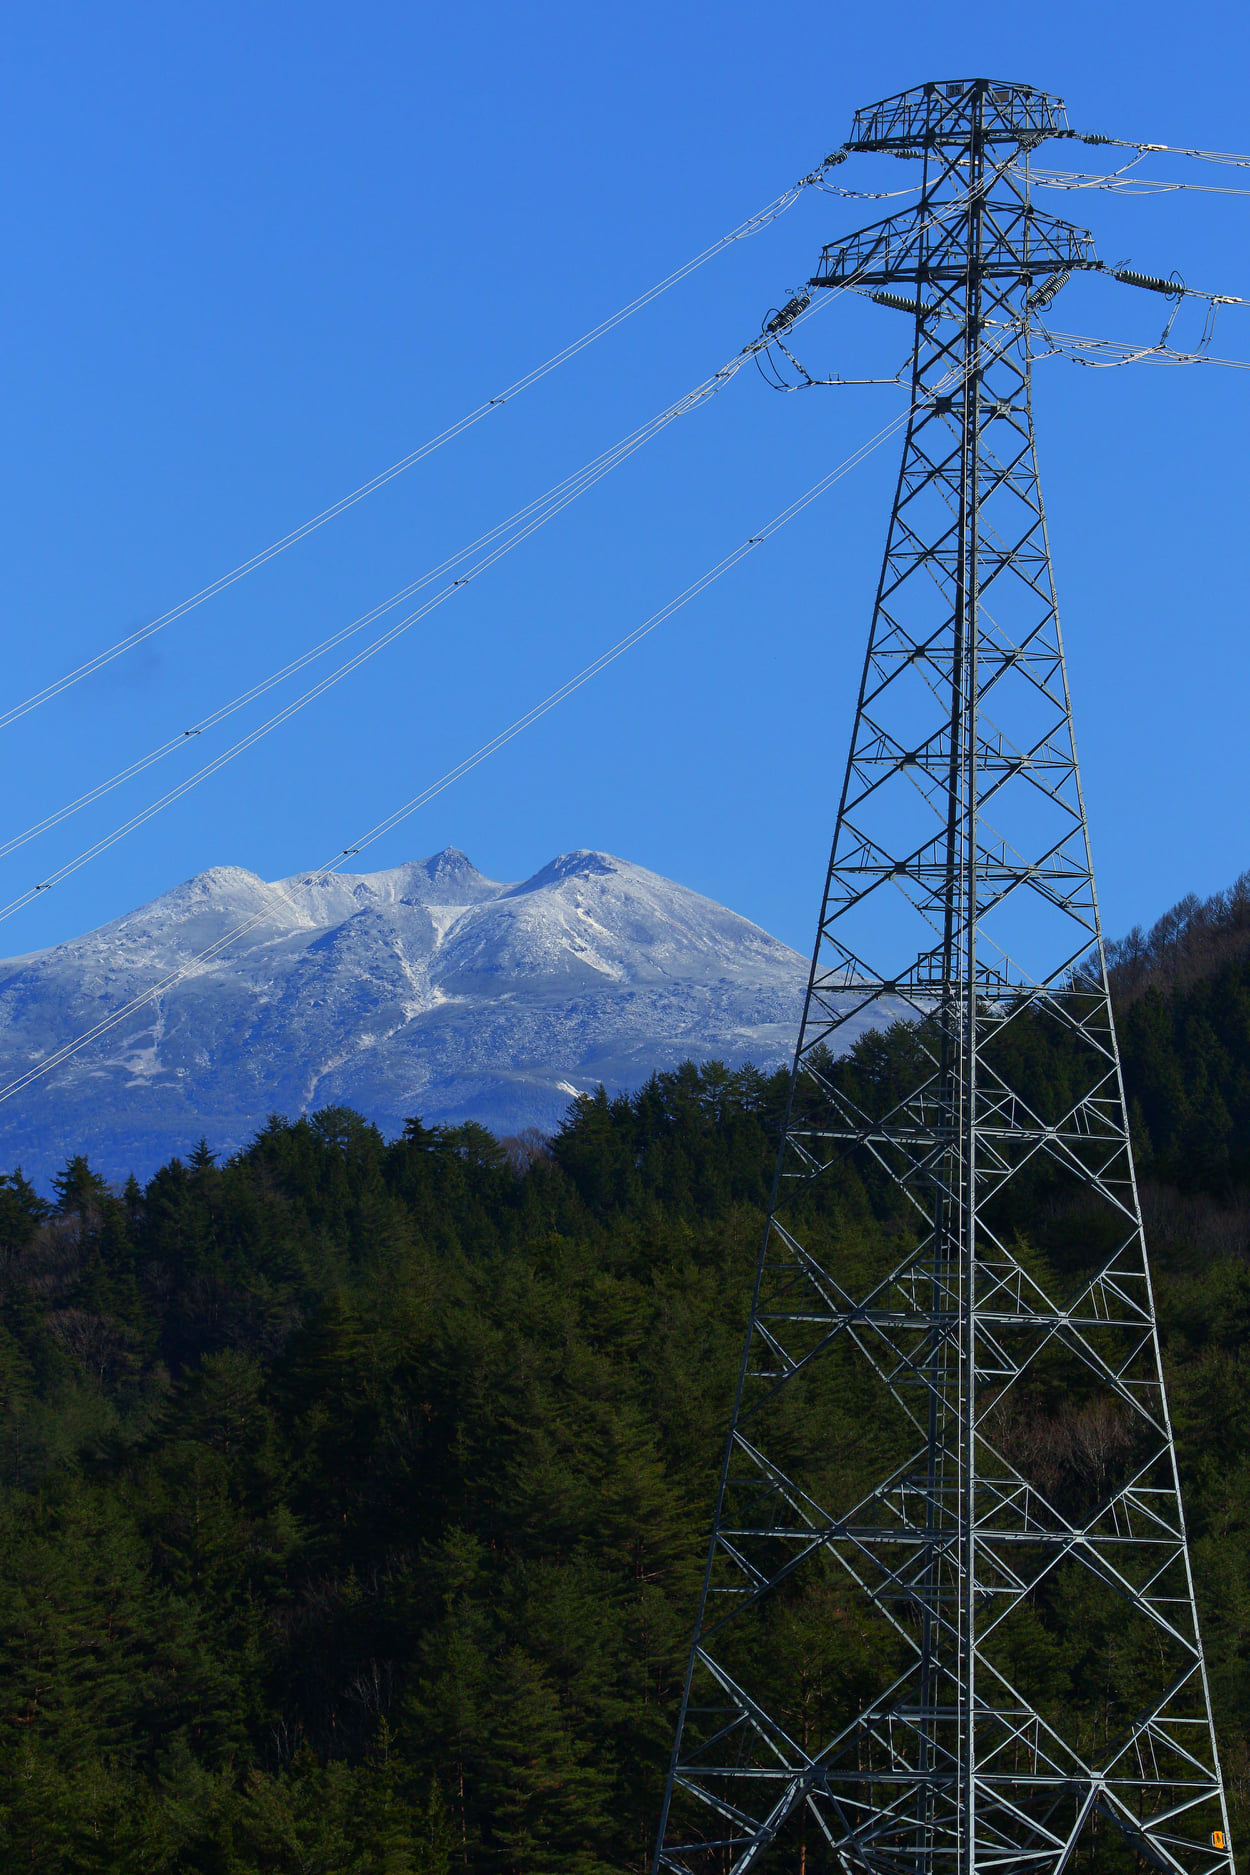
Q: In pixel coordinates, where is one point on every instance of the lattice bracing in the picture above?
(1001, 1502)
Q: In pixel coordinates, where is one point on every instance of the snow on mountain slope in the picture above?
(424, 989)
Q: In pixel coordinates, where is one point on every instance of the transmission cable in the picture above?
(335, 865)
(1229, 159)
(492, 546)
(513, 533)
(499, 540)
(1108, 353)
(753, 225)
(868, 195)
(1121, 182)
(497, 543)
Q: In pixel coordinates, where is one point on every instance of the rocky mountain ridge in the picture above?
(426, 989)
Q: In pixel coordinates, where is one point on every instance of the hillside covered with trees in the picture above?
(354, 1493)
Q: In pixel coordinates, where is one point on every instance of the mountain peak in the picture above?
(218, 891)
(450, 866)
(582, 863)
(446, 878)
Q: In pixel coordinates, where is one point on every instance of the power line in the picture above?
(1088, 351)
(535, 517)
(1122, 182)
(525, 522)
(498, 540)
(1228, 158)
(753, 225)
(521, 524)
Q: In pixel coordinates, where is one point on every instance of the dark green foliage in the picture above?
(353, 1494)
(1187, 1054)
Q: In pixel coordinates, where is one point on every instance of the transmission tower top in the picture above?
(943, 112)
(953, 126)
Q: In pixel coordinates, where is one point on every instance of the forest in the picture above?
(355, 1492)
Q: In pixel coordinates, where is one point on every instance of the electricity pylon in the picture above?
(1006, 1501)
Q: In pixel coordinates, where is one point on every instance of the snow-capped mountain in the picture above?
(426, 989)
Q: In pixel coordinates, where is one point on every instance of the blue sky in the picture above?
(255, 254)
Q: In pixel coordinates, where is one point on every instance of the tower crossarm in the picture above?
(934, 116)
(928, 247)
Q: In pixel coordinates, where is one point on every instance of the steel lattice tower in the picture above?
(1012, 1492)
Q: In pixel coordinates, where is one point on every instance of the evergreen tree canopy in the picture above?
(354, 1493)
